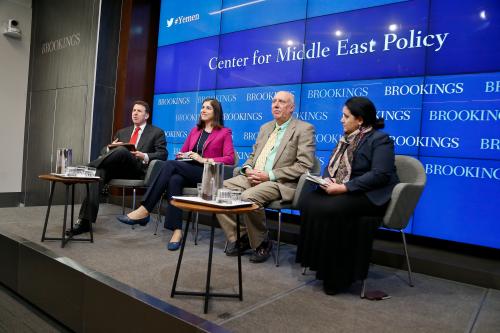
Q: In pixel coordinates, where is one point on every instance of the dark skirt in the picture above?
(334, 241)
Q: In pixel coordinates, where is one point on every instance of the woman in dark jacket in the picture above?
(359, 179)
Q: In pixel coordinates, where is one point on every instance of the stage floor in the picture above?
(277, 299)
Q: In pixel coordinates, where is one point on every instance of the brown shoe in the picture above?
(262, 253)
(233, 247)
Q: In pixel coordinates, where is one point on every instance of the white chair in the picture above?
(154, 168)
(404, 200)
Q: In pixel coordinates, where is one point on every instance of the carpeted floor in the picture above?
(276, 299)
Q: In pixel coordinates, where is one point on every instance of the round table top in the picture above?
(65, 180)
(210, 209)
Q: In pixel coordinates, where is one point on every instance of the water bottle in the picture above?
(213, 189)
(212, 179)
(64, 157)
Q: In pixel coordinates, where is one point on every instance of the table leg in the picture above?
(240, 279)
(184, 237)
(72, 204)
(63, 238)
(209, 269)
(52, 186)
(123, 201)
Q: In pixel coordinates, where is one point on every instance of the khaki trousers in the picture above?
(254, 223)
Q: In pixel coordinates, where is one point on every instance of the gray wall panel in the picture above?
(104, 102)
(39, 146)
(43, 72)
(70, 121)
(63, 63)
(69, 132)
(77, 62)
(64, 45)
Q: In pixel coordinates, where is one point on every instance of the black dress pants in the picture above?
(117, 163)
(173, 177)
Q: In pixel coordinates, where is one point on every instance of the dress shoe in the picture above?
(81, 226)
(262, 253)
(233, 248)
(105, 191)
(173, 246)
(125, 219)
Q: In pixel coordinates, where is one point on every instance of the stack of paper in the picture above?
(316, 179)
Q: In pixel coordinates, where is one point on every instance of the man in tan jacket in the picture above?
(284, 150)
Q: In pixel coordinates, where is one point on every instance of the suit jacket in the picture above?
(373, 168)
(219, 144)
(152, 142)
(294, 157)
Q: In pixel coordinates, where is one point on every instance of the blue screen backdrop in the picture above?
(185, 20)
(432, 68)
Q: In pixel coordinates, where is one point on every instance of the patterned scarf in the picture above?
(340, 165)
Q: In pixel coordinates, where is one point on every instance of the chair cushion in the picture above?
(190, 191)
(127, 182)
(279, 205)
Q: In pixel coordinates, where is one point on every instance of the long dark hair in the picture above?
(218, 121)
(364, 108)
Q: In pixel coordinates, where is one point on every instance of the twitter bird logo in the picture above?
(169, 22)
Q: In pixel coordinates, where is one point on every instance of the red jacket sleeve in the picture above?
(227, 148)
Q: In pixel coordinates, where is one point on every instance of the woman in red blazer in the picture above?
(208, 141)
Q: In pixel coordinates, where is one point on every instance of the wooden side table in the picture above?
(199, 208)
(68, 182)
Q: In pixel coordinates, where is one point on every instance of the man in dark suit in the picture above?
(119, 162)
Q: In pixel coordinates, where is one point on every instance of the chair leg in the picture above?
(133, 204)
(196, 228)
(123, 200)
(304, 271)
(410, 280)
(158, 220)
(279, 239)
(363, 288)
(133, 198)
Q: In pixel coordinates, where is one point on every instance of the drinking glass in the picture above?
(224, 196)
(235, 196)
(70, 171)
(90, 171)
(80, 171)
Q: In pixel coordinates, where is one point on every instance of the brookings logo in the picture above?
(182, 19)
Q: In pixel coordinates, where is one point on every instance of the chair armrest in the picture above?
(228, 171)
(303, 187)
(236, 171)
(154, 168)
(404, 200)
